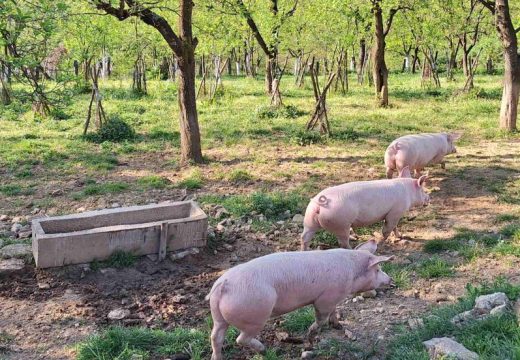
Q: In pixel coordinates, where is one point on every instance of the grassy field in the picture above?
(259, 160)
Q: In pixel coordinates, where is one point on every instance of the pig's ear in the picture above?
(405, 172)
(454, 136)
(370, 246)
(379, 259)
(422, 180)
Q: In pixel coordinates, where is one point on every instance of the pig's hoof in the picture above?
(336, 326)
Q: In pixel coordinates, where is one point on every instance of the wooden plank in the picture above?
(163, 241)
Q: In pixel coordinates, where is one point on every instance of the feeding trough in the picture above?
(140, 230)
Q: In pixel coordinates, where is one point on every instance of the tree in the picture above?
(508, 36)
(379, 69)
(183, 46)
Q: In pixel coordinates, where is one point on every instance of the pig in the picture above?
(247, 295)
(418, 151)
(362, 203)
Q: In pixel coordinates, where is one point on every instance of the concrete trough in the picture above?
(140, 230)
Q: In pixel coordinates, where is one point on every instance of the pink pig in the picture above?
(247, 295)
(362, 203)
(418, 151)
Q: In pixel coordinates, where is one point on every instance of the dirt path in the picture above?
(45, 312)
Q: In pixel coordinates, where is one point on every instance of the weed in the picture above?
(434, 267)
(239, 175)
(299, 320)
(193, 181)
(153, 182)
(100, 189)
(399, 273)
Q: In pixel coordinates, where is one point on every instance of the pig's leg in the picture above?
(324, 308)
(389, 173)
(397, 233)
(418, 173)
(443, 165)
(334, 321)
(218, 334)
(343, 238)
(306, 238)
(247, 338)
(391, 221)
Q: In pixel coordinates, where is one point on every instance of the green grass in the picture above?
(506, 218)
(299, 320)
(153, 182)
(272, 205)
(14, 190)
(119, 259)
(121, 343)
(434, 267)
(324, 237)
(497, 337)
(100, 189)
(239, 175)
(194, 181)
(400, 274)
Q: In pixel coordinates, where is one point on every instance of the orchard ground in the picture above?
(258, 161)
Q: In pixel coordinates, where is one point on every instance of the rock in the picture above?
(118, 314)
(184, 253)
(415, 323)
(485, 303)
(499, 310)
(350, 335)
(439, 288)
(16, 219)
(261, 217)
(115, 205)
(136, 357)
(35, 211)
(463, 317)
(179, 357)
(16, 227)
(298, 218)
(179, 299)
(44, 286)
(286, 214)
(221, 212)
(11, 265)
(152, 257)
(25, 234)
(379, 310)
(15, 251)
(228, 247)
(281, 335)
(307, 355)
(234, 258)
(57, 192)
(358, 298)
(369, 294)
(4, 218)
(220, 228)
(516, 309)
(441, 348)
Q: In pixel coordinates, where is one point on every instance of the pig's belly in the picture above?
(284, 306)
(369, 219)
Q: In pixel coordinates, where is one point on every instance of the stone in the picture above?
(228, 247)
(350, 335)
(441, 348)
(281, 335)
(11, 265)
(485, 303)
(57, 192)
(358, 298)
(415, 323)
(184, 253)
(221, 213)
(136, 357)
(179, 356)
(118, 314)
(16, 227)
(115, 205)
(44, 286)
(35, 211)
(499, 310)
(24, 234)
(379, 310)
(4, 218)
(15, 251)
(179, 299)
(461, 318)
(298, 218)
(369, 294)
(307, 355)
(220, 228)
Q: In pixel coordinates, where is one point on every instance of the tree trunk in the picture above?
(189, 124)
(466, 63)
(379, 69)
(362, 59)
(511, 91)
(269, 64)
(415, 60)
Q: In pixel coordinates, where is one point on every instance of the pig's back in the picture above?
(420, 149)
(363, 202)
(294, 278)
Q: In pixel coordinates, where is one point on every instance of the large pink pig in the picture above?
(418, 151)
(247, 295)
(362, 203)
